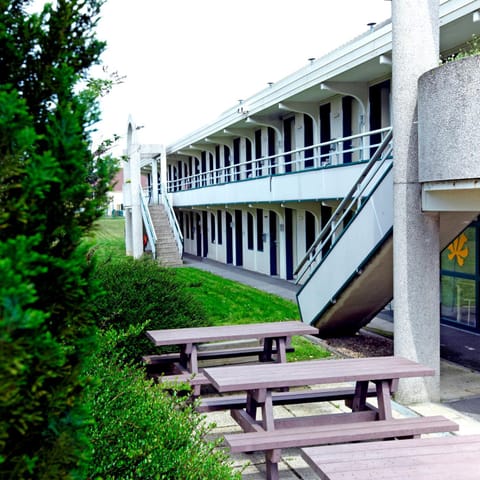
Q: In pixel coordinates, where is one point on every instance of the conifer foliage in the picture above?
(52, 189)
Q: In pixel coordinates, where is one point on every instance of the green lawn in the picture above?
(226, 302)
(108, 238)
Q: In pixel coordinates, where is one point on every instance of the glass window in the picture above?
(220, 229)
(459, 280)
(460, 254)
(250, 231)
(259, 229)
(458, 302)
(212, 227)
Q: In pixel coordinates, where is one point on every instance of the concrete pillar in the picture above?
(163, 170)
(416, 235)
(128, 231)
(137, 221)
(127, 190)
(155, 181)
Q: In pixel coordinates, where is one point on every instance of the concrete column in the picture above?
(128, 232)
(127, 189)
(416, 235)
(137, 221)
(163, 170)
(155, 181)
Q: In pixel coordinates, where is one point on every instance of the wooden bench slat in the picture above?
(354, 451)
(325, 419)
(209, 354)
(230, 332)
(436, 458)
(212, 404)
(197, 379)
(161, 358)
(467, 470)
(325, 434)
(312, 372)
(398, 462)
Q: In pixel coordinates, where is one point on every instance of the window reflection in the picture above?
(458, 302)
(458, 280)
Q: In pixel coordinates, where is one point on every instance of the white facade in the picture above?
(256, 187)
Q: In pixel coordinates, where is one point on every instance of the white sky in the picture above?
(187, 61)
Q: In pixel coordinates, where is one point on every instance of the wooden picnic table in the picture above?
(364, 422)
(435, 458)
(274, 335)
(259, 381)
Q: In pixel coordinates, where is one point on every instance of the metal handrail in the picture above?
(294, 159)
(345, 206)
(173, 223)
(147, 221)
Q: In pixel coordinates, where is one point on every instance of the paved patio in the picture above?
(455, 381)
(459, 385)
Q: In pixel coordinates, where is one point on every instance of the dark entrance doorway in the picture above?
(205, 234)
(238, 238)
(309, 229)
(273, 243)
(228, 229)
(289, 242)
(325, 132)
(198, 234)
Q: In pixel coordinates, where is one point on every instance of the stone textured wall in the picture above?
(449, 121)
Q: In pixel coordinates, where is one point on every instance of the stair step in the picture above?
(166, 246)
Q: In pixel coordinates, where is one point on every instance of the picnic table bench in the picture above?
(291, 397)
(435, 458)
(274, 338)
(364, 422)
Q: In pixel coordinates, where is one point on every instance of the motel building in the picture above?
(356, 176)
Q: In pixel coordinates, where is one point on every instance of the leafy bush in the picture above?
(471, 49)
(141, 292)
(52, 188)
(140, 431)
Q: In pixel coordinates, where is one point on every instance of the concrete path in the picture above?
(460, 386)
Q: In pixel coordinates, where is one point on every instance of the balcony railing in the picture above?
(370, 177)
(148, 223)
(343, 151)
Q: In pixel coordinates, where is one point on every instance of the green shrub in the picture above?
(141, 292)
(52, 189)
(139, 431)
(471, 49)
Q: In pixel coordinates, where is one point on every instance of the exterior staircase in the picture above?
(166, 246)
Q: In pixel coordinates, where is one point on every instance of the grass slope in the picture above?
(226, 302)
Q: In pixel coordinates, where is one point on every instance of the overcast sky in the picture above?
(187, 61)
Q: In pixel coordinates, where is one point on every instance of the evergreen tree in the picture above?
(52, 189)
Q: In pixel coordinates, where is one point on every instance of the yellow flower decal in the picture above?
(458, 249)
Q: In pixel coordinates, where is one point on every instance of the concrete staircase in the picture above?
(166, 246)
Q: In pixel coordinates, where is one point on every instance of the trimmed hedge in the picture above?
(141, 292)
(141, 431)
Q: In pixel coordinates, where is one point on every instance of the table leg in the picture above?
(266, 355)
(184, 355)
(384, 400)
(193, 364)
(360, 399)
(267, 412)
(272, 458)
(251, 407)
(189, 357)
(281, 344)
(189, 360)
